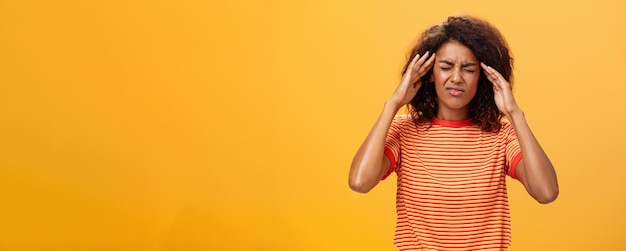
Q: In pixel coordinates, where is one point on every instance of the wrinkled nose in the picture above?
(456, 76)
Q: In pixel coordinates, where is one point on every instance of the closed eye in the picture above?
(469, 67)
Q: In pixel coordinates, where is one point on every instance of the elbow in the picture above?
(359, 185)
(548, 196)
(363, 176)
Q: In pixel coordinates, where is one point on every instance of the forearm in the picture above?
(538, 174)
(368, 164)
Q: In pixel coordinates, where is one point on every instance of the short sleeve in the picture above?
(392, 143)
(512, 150)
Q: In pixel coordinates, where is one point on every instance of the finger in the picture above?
(490, 73)
(423, 65)
(498, 81)
(496, 73)
(493, 75)
(427, 65)
(488, 69)
(409, 68)
(419, 62)
(417, 56)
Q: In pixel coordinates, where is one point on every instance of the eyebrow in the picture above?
(450, 63)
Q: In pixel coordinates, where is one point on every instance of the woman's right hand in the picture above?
(412, 79)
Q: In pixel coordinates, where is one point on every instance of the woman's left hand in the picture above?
(501, 90)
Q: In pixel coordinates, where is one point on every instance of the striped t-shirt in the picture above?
(451, 184)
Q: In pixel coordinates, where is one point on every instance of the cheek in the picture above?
(473, 77)
(438, 77)
(472, 84)
(472, 80)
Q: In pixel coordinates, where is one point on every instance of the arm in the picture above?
(370, 164)
(535, 170)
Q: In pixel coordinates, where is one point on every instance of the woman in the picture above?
(464, 134)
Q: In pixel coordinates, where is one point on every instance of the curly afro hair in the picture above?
(489, 47)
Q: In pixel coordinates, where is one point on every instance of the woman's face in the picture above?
(455, 73)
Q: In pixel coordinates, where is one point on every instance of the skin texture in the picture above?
(456, 73)
(369, 164)
(535, 170)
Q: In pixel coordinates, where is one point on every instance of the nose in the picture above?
(456, 76)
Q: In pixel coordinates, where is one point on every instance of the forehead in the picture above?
(456, 52)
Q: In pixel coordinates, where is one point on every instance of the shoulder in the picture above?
(507, 130)
(402, 122)
(402, 119)
(506, 124)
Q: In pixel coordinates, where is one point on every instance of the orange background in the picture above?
(230, 125)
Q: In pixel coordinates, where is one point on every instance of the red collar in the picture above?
(452, 123)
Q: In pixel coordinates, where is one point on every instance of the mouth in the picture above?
(454, 91)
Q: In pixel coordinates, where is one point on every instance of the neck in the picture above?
(453, 115)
